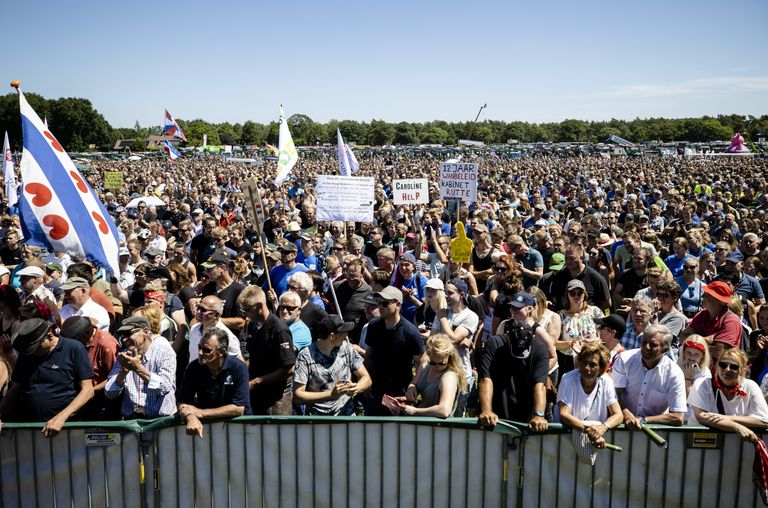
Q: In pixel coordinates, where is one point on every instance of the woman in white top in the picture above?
(546, 318)
(587, 398)
(729, 401)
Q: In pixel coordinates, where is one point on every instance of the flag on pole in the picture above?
(347, 161)
(9, 175)
(287, 155)
(205, 141)
(171, 150)
(172, 128)
(59, 210)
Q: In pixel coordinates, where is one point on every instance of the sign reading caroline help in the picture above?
(347, 198)
(113, 180)
(458, 181)
(411, 191)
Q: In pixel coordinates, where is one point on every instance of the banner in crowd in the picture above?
(287, 154)
(253, 203)
(410, 191)
(113, 180)
(461, 246)
(59, 210)
(347, 198)
(9, 174)
(458, 180)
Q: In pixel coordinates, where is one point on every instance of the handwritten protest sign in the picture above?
(461, 247)
(113, 180)
(347, 198)
(458, 181)
(410, 191)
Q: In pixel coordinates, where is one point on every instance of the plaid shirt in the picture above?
(631, 339)
(156, 397)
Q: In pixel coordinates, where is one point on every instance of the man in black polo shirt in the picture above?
(393, 345)
(221, 284)
(215, 384)
(52, 378)
(271, 355)
(575, 268)
(513, 374)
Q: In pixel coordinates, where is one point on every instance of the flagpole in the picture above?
(261, 239)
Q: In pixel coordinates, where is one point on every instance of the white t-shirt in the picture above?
(587, 407)
(468, 320)
(196, 335)
(89, 309)
(702, 396)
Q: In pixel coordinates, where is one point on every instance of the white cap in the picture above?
(31, 271)
(435, 284)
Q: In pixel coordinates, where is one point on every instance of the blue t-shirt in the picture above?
(675, 264)
(300, 334)
(690, 298)
(206, 391)
(408, 309)
(279, 276)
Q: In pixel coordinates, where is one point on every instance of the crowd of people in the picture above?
(600, 291)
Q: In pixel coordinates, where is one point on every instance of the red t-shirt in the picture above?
(726, 327)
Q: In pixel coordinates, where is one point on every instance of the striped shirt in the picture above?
(150, 399)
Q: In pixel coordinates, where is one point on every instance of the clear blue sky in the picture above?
(396, 61)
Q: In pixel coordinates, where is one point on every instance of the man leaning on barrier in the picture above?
(513, 375)
(650, 385)
(52, 378)
(215, 384)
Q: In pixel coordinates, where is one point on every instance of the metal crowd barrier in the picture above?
(362, 462)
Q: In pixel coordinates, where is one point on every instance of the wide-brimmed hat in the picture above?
(29, 335)
(77, 328)
(719, 291)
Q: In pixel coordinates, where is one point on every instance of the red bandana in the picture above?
(736, 390)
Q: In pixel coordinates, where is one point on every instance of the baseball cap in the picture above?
(575, 284)
(219, 258)
(75, 282)
(436, 284)
(133, 323)
(522, 299)
(31, 271)
(614, 322)
(557, 261)
(390, 293)
(333, 323)
(735, 257)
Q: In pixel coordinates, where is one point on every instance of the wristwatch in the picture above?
(539, 413)
(644, 421)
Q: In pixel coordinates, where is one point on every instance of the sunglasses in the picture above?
(438, 363)
(205, 349)
(729, 366)
(500, 268)
(289, 308)
(203, 309)
(689, 268)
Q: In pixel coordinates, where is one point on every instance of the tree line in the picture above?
(78, 126)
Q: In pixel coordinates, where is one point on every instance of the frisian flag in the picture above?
(287, 155)
(171, 128)
(347, 161)
(59, 210)
(171, 150)
(9, 175)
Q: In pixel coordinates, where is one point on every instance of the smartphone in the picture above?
(696, 368)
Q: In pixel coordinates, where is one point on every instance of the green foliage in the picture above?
(77, 125)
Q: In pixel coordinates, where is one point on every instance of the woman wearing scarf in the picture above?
(728, 401)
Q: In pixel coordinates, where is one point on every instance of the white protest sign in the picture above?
(346, 198)
(458, 181)
(411, 191)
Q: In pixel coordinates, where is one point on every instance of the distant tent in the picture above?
(620, 141)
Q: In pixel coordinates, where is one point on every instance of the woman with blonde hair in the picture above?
(546, 318)
(729, 400)
(440, 382)
(694, 360)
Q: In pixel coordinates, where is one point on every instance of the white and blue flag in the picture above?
(347, 161)
(59, 209)
(171, 150)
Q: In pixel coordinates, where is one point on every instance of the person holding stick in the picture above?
(649, 384)
(587, 398)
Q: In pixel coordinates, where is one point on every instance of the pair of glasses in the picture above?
(203, 309)
(205, 349)
(689, 268)
(438, 363)
(729, 366)
(140, 274)
(289, 308)
(500, 269)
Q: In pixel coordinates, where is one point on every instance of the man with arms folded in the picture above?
(650, 385)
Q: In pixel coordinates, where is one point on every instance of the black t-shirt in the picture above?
(269, 348)
(311, 314)
(206, 391)
(245, 247)
(11, 257)
(392, 359)
(631, 283)
(228, 297)
(200, 245)
(352, 305)
(513, 378)
(50, 383)
(596, 285)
